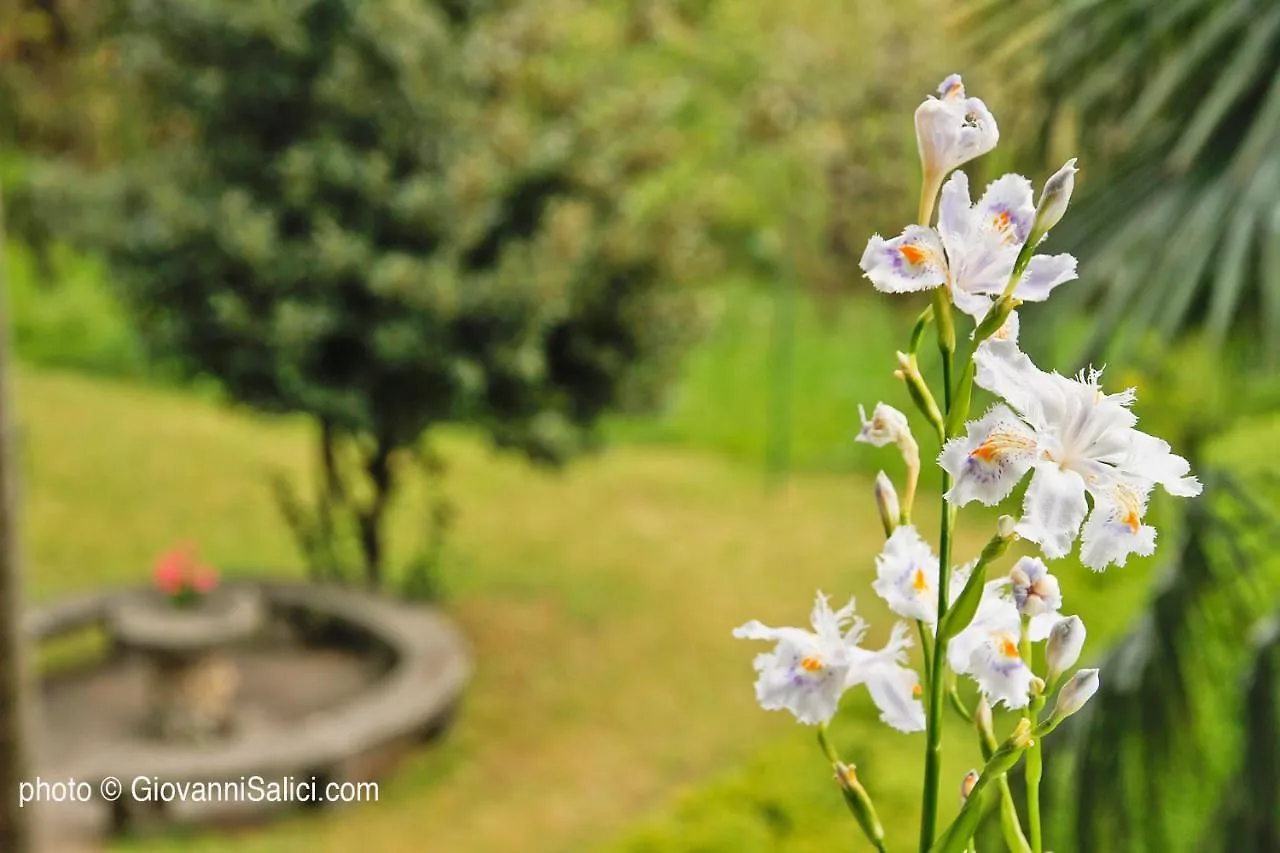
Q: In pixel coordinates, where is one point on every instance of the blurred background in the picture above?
(547, 313)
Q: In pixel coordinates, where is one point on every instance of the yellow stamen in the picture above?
(1008, 648)
(920, 582)
(811, 664)
(1000, 443)
(917, 690)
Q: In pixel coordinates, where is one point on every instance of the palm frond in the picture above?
(1185, 94)
(1141, 768)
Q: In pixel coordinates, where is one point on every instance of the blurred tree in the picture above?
(1175, 112)
(387, 216)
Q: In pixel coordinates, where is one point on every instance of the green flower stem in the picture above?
(933, 732)
(1000, 763)
(958, 704)
(1035, 759)
(1010, 825)
(917, 333)
(926, 648)
(1035, 770)
(942, 315)
(827, 749)
(1014, 839)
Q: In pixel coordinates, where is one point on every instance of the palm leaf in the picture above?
(1185, 93)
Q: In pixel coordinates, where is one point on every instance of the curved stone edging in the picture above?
(414, 699)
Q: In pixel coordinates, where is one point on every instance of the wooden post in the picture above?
(17, 825)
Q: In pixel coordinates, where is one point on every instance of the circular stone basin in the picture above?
(336, 686)
(151, 623)
(194, 684)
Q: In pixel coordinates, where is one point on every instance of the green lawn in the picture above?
(598, 601)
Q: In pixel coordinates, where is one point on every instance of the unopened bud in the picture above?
(909, 373)
(1066, 640)
(966, 784)
(1008, 753)
(887, 503)
(1037, 686)
(1054, 199)
(1075, 693)
(1035, 591)
(1006, 527)
(1022, 735)
(859, 803)
(983, 722)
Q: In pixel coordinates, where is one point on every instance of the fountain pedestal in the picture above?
(194, 680)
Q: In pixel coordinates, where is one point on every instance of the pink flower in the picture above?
(178, 575)
(204, 579)
(170, 573)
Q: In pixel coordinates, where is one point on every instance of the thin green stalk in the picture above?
(933, 723)
(942, 317)
(1035, 769)
(958, 704)
(1035, 766)
(926, 647)
(1001, 761)
(827, 749)
(933, 731)
(1009, 824)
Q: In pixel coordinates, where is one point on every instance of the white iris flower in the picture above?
(988, 649)
(1077, 441)
(808, 671)
(907, 576)
(973, 251)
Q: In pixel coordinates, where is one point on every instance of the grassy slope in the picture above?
(599, 604)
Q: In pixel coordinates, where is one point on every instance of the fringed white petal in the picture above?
(988, 461)
(913, 261)
(907, 576)
(1043, 274)
(1054, 509)
(1115, 529)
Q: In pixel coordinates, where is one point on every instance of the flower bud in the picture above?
(1054, 199)
(887, 503)
(983, 722)
(1066, 640)
(952, 129)
(1006, 527)
(966, 784)
(1075, 693)
(859, 803)
(1008, 753)
(909, 372)
(1035, 591)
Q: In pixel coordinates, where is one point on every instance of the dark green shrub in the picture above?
(389, 216)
